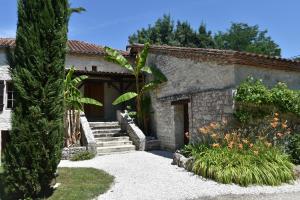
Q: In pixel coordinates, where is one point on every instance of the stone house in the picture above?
(199, 90)
(105, 83)
(201, 84)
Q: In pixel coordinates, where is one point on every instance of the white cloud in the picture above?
(8, 33)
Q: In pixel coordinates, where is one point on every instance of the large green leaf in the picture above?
(89, 101)
(158, 75)
(115, 57)
(69, 75)
(146, 69)
(125, 97)
(142, 57)
(78, 80)
(149, 86)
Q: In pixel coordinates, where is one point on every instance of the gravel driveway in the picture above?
(150, 176)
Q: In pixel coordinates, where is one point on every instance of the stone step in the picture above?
(101, 135)
(111, 139)
(95, 125)
(113, 143)
(107, 130)
(114, 149)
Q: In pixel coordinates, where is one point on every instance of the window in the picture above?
(10, 95)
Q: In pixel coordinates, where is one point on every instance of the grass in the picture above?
(76, 184)
(243, 167)
(86, 155)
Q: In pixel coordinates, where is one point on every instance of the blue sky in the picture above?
(110, 22)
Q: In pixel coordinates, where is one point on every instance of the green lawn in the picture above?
(77, 184)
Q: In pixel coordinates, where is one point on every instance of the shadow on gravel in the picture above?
(165, 154)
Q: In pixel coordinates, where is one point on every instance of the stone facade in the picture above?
(80, 62)
(207, 86)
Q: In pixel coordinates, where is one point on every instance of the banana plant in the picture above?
(74, 102)
(138, 71)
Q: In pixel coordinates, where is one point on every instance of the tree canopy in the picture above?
(243, 37)
(239, 37)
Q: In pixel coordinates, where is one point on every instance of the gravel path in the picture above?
(150, 176)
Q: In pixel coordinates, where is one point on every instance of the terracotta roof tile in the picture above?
(74, 46)
(221, 56)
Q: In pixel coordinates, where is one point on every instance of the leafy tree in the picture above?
(165, 33)
(242, 37)
(138, 71)
(74, 102)
(205, 39)
(36, 139)
(160, 33)
(185, 36)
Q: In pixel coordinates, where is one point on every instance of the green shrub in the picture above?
(267, 166)
(254, 100)
(85, 155)
(193, 149)
(293, 148)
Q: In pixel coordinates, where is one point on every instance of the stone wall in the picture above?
(68, 153)
(209, 106)
(208, 88)
(134, 132)
(269, 76)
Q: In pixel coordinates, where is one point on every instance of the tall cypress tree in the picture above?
(36, 139)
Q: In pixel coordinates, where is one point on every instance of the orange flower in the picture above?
(276, 119)
(274, 124)
(255, 152)
(240, 146)
(276, 114)
(213, 125)
(216, 145)
(284, 125)
(214, 136)
(268, 144)
(203, 130)
(245, 141)
(230, 145)
(227, 137)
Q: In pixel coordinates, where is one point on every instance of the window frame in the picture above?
(7, 99)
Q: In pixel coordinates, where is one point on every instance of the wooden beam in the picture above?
(180, 102)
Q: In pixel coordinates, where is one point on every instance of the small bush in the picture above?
(86, 155)
(293, 148)
(264, 166)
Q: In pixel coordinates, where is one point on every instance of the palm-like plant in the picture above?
(139, 70)
(74, 102)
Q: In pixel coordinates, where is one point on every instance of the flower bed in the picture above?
(242, 155)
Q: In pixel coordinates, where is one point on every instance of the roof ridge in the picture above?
(227, 51)
(74, 46)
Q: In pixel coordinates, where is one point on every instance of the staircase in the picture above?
(110, 139)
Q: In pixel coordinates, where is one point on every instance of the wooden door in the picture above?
(95, 91)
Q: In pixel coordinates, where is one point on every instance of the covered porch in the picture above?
(105, 87)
